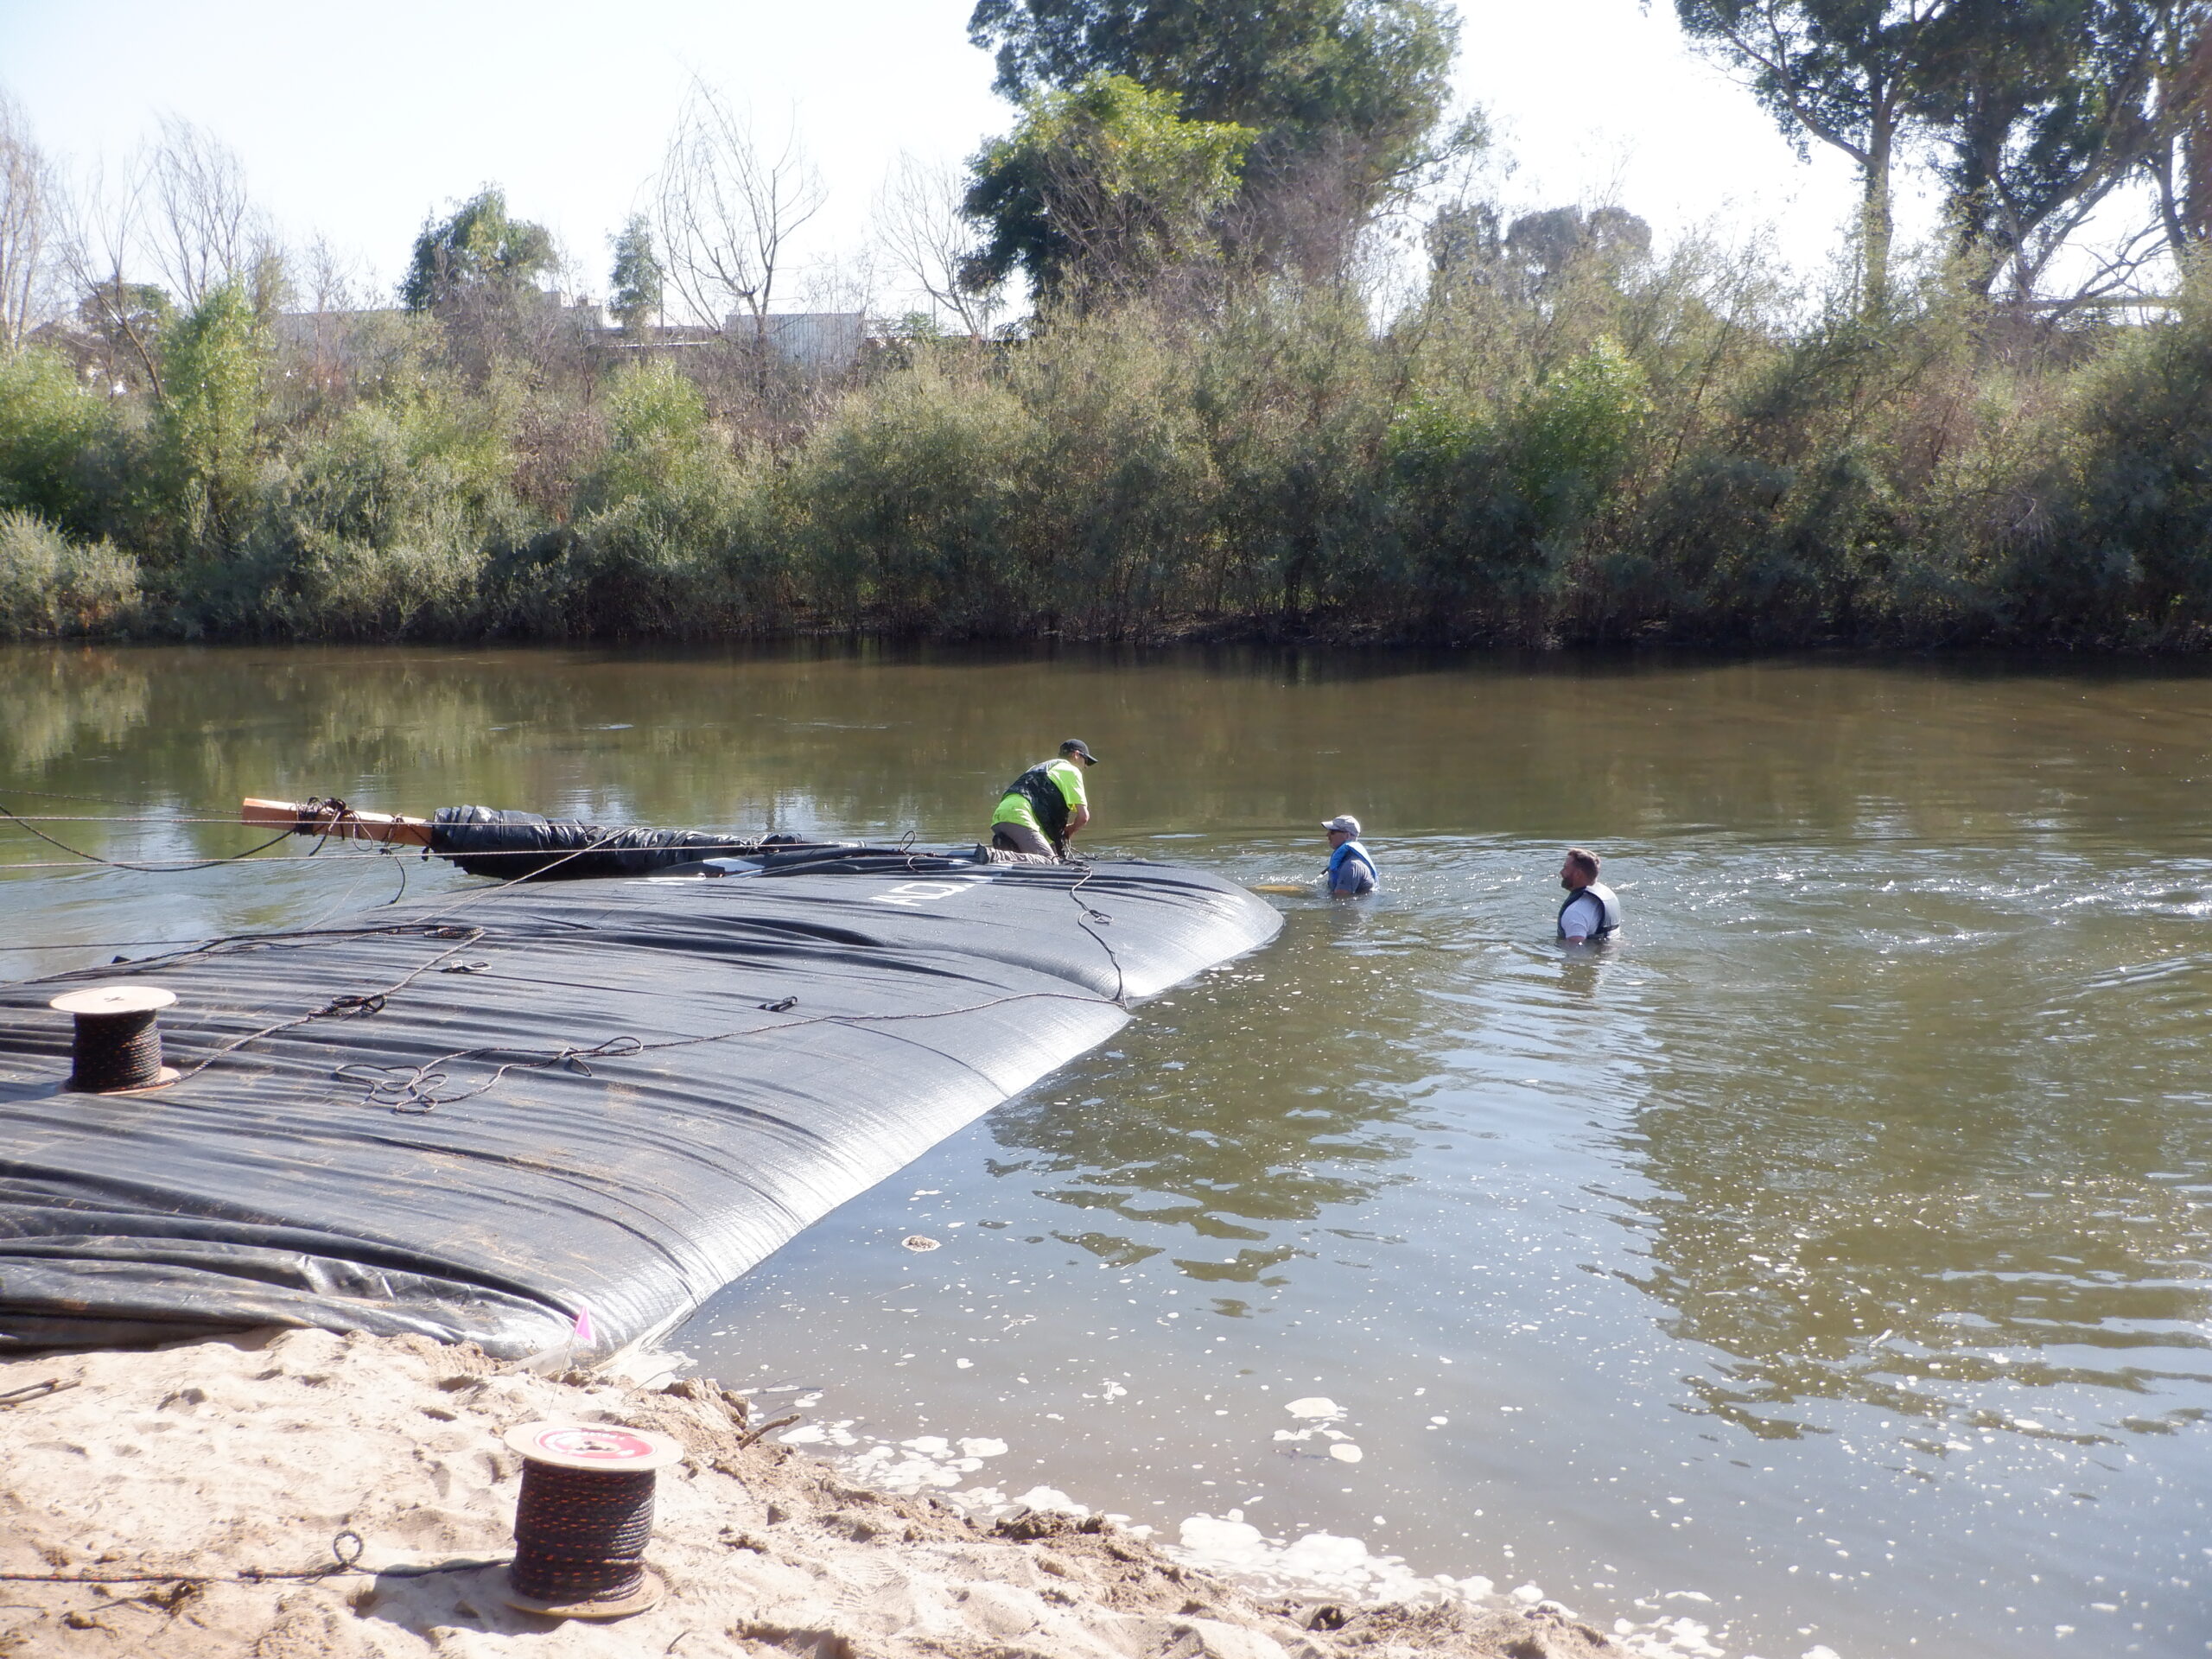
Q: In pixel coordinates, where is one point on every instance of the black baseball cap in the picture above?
(1077, 746)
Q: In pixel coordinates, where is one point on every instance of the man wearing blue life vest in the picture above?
(1590, 913)
(1046, 805)
(1352, 870)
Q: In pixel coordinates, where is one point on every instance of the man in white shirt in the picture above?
(1591, 913)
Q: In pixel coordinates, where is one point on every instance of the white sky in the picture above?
(358, 120)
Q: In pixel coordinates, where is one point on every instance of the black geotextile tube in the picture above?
(481, 1117)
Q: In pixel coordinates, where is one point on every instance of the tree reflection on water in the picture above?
(1249, 1130)
(1932, 1182)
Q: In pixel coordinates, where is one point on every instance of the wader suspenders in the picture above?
(1037, 787)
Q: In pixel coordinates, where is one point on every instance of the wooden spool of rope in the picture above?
(584, 1518)
(116, 1047)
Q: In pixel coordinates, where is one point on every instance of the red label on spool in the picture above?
(594, 1445)
(600, 1445)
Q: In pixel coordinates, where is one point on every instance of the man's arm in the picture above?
(1070, 779)
(1575, 925)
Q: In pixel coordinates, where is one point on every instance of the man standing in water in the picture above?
(1352, 871)
(1046, 805)
(1590, 913)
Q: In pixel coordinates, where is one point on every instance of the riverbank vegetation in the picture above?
(1228, 414)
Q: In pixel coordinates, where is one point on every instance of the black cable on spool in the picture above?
(115, 1050)
(116, 1047)
(581, 1534)
(584, 1517)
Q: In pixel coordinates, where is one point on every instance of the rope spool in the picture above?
(117, 1046)
(584, 1518)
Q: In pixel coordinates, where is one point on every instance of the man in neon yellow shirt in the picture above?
(1046, 805)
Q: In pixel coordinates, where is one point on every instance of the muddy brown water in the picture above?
(1825, 1265)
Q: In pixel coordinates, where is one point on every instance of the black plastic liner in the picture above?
(694, 1070)
(492, 840)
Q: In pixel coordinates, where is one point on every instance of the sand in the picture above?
(206, 1461)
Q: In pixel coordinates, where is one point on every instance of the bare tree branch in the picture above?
(728, 210)
(927, 238)
(98, 258)
(200, 230)
(26, 214)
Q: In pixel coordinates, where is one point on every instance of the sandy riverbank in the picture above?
(227, 1458)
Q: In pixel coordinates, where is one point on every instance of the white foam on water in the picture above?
(1051, 1498)
(1314, 1564)
(831, 1434)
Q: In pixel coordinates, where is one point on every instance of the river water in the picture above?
(1825, 1265)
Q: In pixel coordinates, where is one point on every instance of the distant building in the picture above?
(821, 342)
(816, 343)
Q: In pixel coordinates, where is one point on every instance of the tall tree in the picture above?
(1846, 73)
(1342, 96)
(26, 215)
(727, 209)
(213, 360)
(638, 286)
(199, 227)
(1100, 190)
(2177, 113)
(101, 258)
(478, 247)
(2040, 110)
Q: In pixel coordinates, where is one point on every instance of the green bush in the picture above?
(671, 536)
(1117, 486)
(50, 428)
(2126, 556)
(1296, 394)
(51, 587)
(382, 527)
(916, 498)
(208, 438)
(1607, 448)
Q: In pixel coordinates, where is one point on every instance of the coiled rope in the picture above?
(111, 1052)
(580, 1534)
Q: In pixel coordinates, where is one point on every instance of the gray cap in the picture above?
(1345, 822)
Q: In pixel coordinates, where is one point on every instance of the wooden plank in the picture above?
(323, 820)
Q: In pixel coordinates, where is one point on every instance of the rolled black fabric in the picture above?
(492, 840)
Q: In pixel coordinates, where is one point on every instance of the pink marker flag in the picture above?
(583, 1323)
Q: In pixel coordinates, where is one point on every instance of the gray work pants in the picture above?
(1020, 838)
